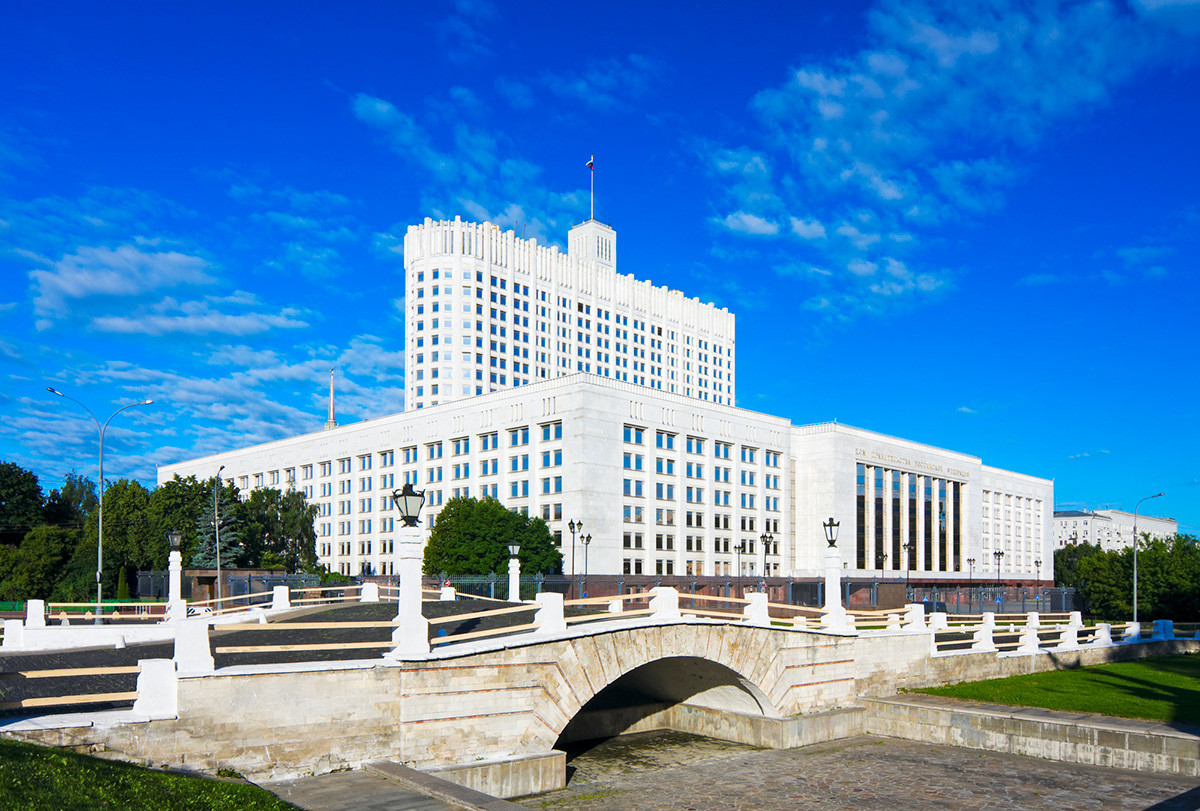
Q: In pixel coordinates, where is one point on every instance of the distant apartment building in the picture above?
(1110, 529)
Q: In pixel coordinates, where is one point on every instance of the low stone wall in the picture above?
(509, 777)
(1065, 737)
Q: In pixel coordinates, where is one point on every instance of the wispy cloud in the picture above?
(607, 84)
(169, 317)
(928, 123)
(464, 33)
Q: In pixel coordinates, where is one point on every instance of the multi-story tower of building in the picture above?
(486, 310)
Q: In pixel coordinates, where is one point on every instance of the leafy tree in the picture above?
(70, 505)
(129, 534)
(178, 506)
(277, 530)
(32, 569)
(1066, 563)
(226, 506)
(1168, 580)
(471, 537)
(20, 502)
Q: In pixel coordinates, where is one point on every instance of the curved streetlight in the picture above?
(100, 522)
(1135, 546)
(217, 531)
(767, 539)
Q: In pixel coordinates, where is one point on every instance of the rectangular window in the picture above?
(518, 436)
(633, 435)
(551, 431)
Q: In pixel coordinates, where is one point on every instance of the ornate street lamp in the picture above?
(574, 526)
(1135, 554)
(998, 554)
(100, 520)
(587, 541)
(831, 530)
(740, 548)
(1037, 571)
(514, 572)
(408, 503)
(766, 538)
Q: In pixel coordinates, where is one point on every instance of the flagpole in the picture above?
(592, 173)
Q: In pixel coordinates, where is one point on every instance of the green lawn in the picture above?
(39, 777)
(1163, 688)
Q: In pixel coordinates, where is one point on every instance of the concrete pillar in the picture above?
(35, 614)
(549, 615)
(14, 634)
(1029, 639)
(176, 605)
(616, 606)
(893, 621)
(193, 655)
(281, 598)
(664, 602)
(368, 594)
(1133, 632)
(1103, 636)
(514, 580)
(1031, 620)
(983, 640)
(157, 690)
(989, 619)
(411, 636)
(1164, 629)
(833, 614)
(914, 617)
(1068, 639)
(938, 621)
(756, 612)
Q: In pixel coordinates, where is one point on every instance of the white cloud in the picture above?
(749, 224)
(966, 410)
(808, 228)
(607, 84)
(101, 271)
(194, 318)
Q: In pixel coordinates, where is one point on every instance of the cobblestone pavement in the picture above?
(677, 771)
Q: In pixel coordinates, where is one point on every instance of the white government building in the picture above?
(611, 404)
(1110, 529)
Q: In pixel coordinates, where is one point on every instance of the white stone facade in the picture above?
(1110, 529)
(663, 483)
(486, 310)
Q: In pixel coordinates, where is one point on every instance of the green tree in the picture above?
(471, 537)
(129, 534)
(70, 505)
(1066, 563)
(228, 525)
(178, 506)
(32, 569)
(1106, 583)
(277, 530)
(20, 503)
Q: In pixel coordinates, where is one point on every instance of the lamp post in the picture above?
(1135, 553)
(217, 531)
(970, 581)
(766, 538)
(1037, 571)
(910, 552)
(176, 607)
(740, 548)
(100, 520)
(998, 555)
(574, 526)
(412, 630)
(514, 572)
(833, 615)
(587, 541)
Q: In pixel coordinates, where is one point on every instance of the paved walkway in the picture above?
(859, 773)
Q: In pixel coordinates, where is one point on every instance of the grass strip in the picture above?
(1161, 688)
(40, 777)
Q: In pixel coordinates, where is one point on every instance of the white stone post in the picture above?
(514, 580)
(1029, 639)
(281, 598)
(549, 615)
(914, 616)
(1031, 620)
(616, 606)
(1103, 636)
(368, 594)
(1164, 629)
(14, 634)
(1068, 639)
(1076, 619)
(983, 640)
(1133, 632)
(893, 621)
(35, 614)
(157, 690)
(447, 594)
(176, 605)
(411, 636)
(989, 619)
(664, 602)
(833, 614)
(192, 652)
(755, 611)
(939, 621)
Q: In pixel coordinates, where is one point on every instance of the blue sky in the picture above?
(974, 225)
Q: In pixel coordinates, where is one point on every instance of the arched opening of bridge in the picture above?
(659, 695)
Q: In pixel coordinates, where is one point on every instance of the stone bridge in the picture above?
(494, 714)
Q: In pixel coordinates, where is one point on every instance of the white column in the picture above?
(950, 519)
(869, 518)
(411, 636)
(514, 580)
(833, 615)
(920, 524)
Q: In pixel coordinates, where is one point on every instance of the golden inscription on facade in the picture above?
(905, 462)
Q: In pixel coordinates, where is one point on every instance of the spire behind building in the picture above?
(331, 422)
